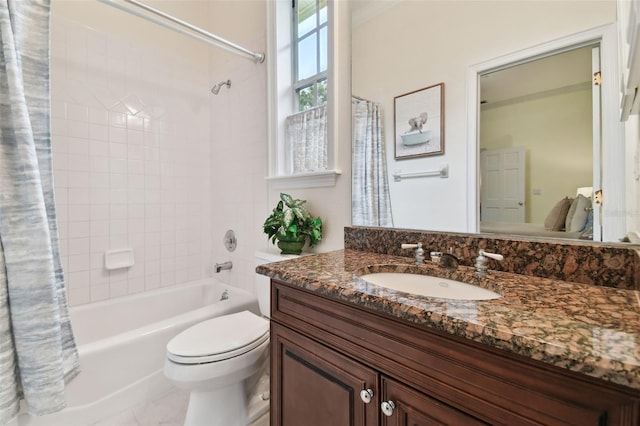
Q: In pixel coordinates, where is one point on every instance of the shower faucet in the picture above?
(223, 266)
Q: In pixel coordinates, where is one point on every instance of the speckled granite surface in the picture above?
(589, 329)
(610, 265)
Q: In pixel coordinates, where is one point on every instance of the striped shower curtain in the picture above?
(370, 199)
(37, 350)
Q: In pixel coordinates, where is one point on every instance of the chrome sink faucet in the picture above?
(445, 260)
(483, 259)
(419, 252)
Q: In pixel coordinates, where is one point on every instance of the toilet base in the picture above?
(219, 407)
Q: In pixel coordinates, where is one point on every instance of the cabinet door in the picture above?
(412, 408)
(316, 386)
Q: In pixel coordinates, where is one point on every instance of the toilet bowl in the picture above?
(220, 360)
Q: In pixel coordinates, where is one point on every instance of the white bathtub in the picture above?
(122, 343)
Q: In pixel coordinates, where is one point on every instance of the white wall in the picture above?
(415, 44)
(130, 135)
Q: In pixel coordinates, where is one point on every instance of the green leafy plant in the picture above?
(290, 221)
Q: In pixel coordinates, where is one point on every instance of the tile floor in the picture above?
(170, 410)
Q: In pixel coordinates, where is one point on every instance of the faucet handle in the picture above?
(411, 246)
(419, 251)
(494, 256)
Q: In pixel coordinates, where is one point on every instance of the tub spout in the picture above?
(223, 266)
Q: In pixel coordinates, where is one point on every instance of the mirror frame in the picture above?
(613, 225)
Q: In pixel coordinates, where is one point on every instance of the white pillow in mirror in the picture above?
(572, 211)
(580, 214)
(555, 220)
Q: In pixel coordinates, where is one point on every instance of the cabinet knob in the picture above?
(366, 395)
(387, 408)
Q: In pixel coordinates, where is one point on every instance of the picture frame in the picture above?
(419, 123)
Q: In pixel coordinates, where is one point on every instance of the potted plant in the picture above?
(291, 226)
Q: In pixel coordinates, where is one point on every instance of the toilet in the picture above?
(220, 360)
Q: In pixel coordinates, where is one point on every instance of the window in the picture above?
(302, 91)
(310, 53)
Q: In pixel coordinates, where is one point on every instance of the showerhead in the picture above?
(216, 88)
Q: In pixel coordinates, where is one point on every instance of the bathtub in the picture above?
(122, 343)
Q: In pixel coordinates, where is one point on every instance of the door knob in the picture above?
(520, 203)
(388, 407)
(366, 395)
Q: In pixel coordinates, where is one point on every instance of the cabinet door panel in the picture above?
(316, 385)
(413, 408)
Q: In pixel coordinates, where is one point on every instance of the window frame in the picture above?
(320, 76)
(280, 100)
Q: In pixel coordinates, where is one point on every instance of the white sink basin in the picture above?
(426, 285)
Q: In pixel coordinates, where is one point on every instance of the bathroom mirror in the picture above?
(394, 51)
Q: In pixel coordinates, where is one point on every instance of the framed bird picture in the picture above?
(419, 123)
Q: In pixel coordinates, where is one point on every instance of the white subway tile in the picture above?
(118, 196)
(98, 132)
(99, 292)
(118, 288)
(118, 241)
(117, 150)
(135, 123)
(152, 252)
(136, 181)
(99, 212)
(118, 180)
(118, 165)
(118, 211)
(79, 279)
(78, 179)
(117, 120)
(100, 244)
(80, 262)
(97, 263)
(99, 180)
(79, 296)
(78, 163)
(167, 279)
(79, 196)
(77, 129)
(99, 275)
(100, 196)
(117, 135)
(136, 285)
(79, 230)
(77, 112)
(151, 282)
(58, 126)
(61, 179)
(98, 115)
(79, 213)
(118, 227)
(58, 144)
(100, 228)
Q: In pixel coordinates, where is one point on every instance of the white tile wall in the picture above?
(132, 162)
(239, 158)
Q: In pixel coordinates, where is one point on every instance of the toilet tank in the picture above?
(263, 283)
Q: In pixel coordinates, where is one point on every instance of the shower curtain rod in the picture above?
(182, 27)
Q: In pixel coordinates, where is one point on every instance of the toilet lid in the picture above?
(219, 338)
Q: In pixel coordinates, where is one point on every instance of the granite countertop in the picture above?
(588, 329)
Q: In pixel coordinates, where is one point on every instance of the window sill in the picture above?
(322, 179)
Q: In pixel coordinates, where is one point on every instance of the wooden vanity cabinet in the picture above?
(324, 353)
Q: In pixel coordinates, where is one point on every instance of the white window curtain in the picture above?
(38, 353)
(307, 147)
(370, 199)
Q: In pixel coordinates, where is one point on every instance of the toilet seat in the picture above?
(219, 339)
